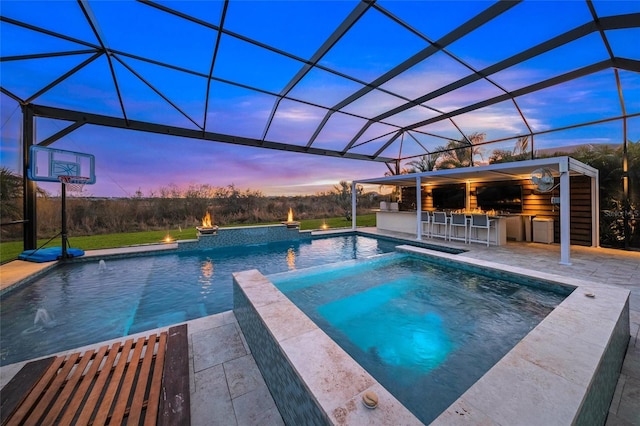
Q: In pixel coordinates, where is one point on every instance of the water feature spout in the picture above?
(44, 319)
(102, 266)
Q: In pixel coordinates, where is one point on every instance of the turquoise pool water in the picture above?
(88, 302)
(425, 331)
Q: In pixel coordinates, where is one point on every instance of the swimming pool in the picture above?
(425, 331)
(86, 302)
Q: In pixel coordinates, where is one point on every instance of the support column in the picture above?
(419, 208)
(467, 196)
(29, 228)
(626, 204)
(595, 210)
(565, 212)
(353, 205)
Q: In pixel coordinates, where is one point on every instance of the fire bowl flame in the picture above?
(290, 222)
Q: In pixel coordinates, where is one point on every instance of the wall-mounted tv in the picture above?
(505, 198)
(449, 197)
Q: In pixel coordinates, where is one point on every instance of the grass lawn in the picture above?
(10, 250)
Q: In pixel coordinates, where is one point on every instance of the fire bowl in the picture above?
(291, 225)
(206, 230)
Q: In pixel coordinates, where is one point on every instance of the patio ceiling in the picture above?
(374, 80)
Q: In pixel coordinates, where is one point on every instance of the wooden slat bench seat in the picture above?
(124, 383)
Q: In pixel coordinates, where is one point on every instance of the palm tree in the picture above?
(522, 146)
(618, 224)
(518, 153)
(342, 194)
(425, 163)
(460, 153)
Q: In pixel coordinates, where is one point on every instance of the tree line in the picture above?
(172, 207)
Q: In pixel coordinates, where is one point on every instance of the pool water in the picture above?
(88, 302)
(425, 331)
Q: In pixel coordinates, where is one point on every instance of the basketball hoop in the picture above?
(73, 183)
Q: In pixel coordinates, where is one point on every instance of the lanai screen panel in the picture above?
(379, 80)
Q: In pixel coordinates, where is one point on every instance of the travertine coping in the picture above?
(550, 376)
(17, 272)
(335, 380)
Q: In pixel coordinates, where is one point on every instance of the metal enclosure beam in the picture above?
(357, 13)
(553, 81)
(477, 21)
(354, 204)
(29, 229)
(62, 133)
(103, 120)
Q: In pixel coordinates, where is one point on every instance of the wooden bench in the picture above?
(145, 381)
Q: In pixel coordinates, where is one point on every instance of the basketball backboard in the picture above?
(46, 164)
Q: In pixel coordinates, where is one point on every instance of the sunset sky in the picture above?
(248, 79)
(148, 162)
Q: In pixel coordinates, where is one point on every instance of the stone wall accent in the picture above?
(246, 235)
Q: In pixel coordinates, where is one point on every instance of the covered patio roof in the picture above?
(560, 167)
(491, 172)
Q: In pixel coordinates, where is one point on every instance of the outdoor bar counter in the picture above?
(406, 222)
(396, 221)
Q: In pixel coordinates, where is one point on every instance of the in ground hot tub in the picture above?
(563, 371)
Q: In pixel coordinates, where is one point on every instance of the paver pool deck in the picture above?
(226, 384)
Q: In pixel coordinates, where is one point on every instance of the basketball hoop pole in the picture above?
(73, 184)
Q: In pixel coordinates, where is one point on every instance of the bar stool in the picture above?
(425, 222)
(479, 221)
(439, 219)
(458, 220)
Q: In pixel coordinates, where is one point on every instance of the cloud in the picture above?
(297, 114)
